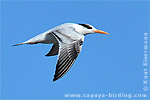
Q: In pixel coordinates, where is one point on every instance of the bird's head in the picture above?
(87, 29)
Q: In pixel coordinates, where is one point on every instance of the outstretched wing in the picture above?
(69, 49)
(67, 55)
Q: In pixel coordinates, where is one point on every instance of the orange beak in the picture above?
(100, 31)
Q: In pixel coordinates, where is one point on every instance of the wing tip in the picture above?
(47, 55)
(50, 54)
(54, 79)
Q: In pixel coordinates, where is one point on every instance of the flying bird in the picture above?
(67, 40)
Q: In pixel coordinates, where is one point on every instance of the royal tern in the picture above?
(67, 42)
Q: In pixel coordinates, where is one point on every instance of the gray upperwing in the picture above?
(54, 50)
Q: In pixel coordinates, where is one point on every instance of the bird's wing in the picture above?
(69, 49)
(54, 50)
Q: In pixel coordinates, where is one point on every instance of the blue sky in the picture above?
(106, 63)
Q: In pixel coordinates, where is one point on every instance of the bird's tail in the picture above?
(25, 43)
(20, 44)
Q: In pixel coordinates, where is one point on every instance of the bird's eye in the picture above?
(86, 26)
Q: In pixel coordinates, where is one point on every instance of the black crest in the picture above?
(86, 25)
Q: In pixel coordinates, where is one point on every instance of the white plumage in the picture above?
(67, 42)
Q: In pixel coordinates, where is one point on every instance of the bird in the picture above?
(67, 40)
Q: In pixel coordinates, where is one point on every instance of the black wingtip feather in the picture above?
(47, 55)
(54, 79)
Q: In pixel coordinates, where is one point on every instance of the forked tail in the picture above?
(25, 43)
(19, 44)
